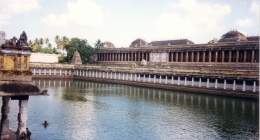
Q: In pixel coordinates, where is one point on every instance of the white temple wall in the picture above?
(44, 58)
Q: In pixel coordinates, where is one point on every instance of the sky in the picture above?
(123, 21)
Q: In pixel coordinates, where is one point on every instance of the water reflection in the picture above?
(110, 111)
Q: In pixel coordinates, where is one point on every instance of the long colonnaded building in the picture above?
(232, 60)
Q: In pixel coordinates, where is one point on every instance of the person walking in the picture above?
(28, 132)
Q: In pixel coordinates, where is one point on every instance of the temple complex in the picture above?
(233, 50)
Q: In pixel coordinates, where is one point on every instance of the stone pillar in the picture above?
(111, 76)
(115, 75)
(119, 76)
(179, 79)
(223, 56)
(237, 56)
(107, 75)
(210, 53)
(60, 71)
(172, 80)
(67, 70)
(245, 54)
(33, 71)
(135, 76)
(225, 84)
(40, 71)
(160, 81)
(192, 81)
(207, 82)
(44, 71)
(203, 56)
(216, 56)
(123, 76)
(131, 77)
(22, 117)
(200, 82)
(192, 56)
(93, 74)
(185, 81)
(187, 57)
(166, 79)
(132, 57)
(244, 85)
(149, 78)
(234, 85)
(128, 57)
(198, 56)
(77, 72)
(139, 77)
(139, 55)
(4, 120)
(181, 56)
(253, 56)
(254, 86)
(216, 83)
(229, 56)
(154, 79)
(144, 78)
(172, 56)
(54, 71)
(122, 57)
(176, 56)
(126, 76)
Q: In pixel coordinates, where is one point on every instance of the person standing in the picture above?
(28, 132)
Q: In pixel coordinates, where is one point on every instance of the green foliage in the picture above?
(80, 45)
(37, 46)
(63, 58)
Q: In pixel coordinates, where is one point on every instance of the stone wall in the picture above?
(44, 58)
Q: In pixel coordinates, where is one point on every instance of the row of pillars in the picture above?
(137, 77)
(244, 56)
(51, 71)
(22, 118)
(249, 56)
(138, 56)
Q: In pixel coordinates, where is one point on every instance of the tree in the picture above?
(47, 41)
(98, 45)
(80, 45)
(41, 41)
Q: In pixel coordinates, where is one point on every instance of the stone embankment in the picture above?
(238, 83)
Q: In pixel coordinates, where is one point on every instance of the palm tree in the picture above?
(41, 41)
(49, 45)
(47, 41)
(98, 45)
(36, 41)
(56, 38)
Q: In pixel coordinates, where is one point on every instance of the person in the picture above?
(28, 132)
(45, 123)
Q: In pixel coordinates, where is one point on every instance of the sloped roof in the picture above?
(170, 42)
(252, 38)
(232, 36)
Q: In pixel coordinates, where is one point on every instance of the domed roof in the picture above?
(233, 36)
(76, 59)
(108, 44)
(139, 43)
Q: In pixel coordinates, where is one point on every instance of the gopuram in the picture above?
(15, 84)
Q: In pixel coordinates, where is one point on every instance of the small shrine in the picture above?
(16, 83)
(76, 59)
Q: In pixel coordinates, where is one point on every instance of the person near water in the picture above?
(28, 132)
(45, 123)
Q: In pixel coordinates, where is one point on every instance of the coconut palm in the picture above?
(41, 41)
(98, 45)
(47, 41)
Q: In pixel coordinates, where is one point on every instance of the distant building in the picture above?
(2, 37)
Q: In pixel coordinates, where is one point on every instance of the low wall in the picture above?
(233, 93)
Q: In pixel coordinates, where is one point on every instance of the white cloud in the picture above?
(82, 13)
(244, 23)
(9, 8)
(255, 7)
(192, 19)
(250, 22)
